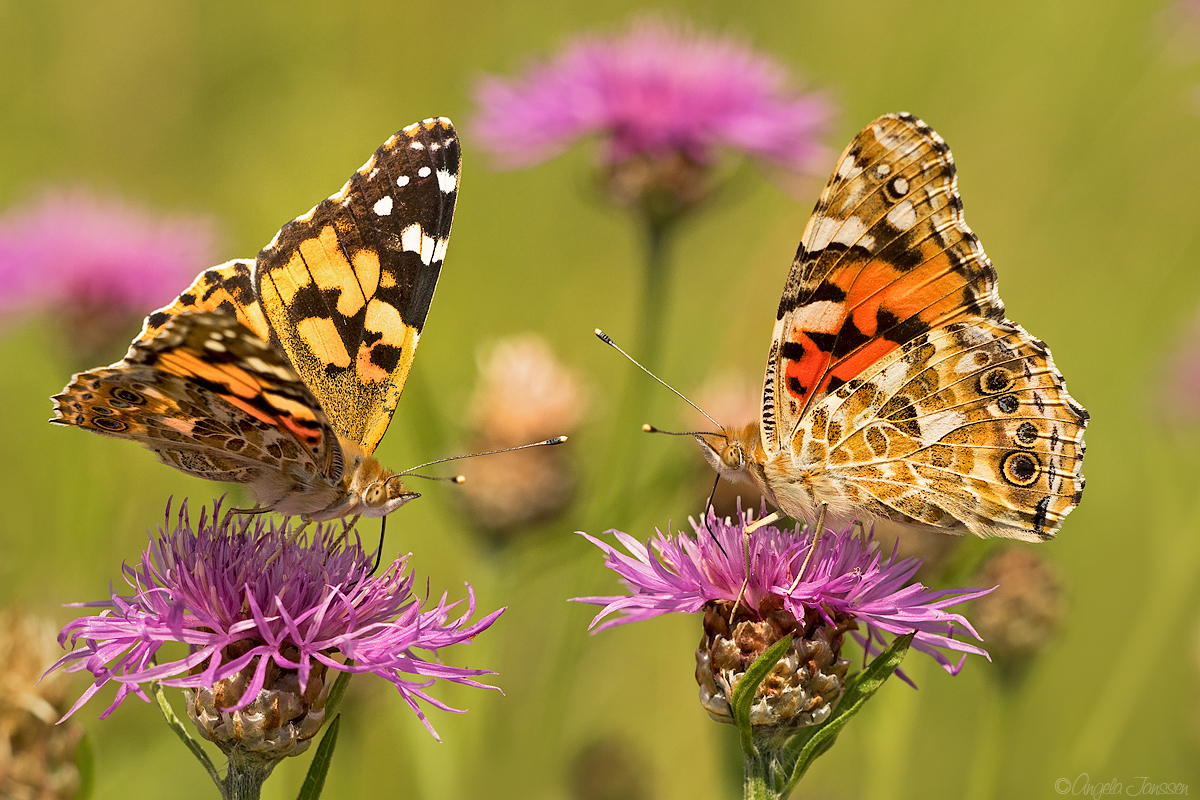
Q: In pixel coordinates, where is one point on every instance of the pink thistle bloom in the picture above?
(284, 602)
(74, 249)
(656, 90)
(846, 578)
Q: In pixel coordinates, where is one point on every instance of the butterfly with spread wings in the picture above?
(895, 387)
(283, 373)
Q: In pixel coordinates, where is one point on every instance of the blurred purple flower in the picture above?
(847, 577)
(655, 90)
(257, 598)
(1181, 395)
(74, 249)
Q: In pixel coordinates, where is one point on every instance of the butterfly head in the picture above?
(732, 453)
(382, 497)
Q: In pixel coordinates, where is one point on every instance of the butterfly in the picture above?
(895, 387)
(283, 372)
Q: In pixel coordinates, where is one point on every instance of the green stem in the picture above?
(246, 775)
(623, 464)
(655, 281)
(758, 785)
(989, 752)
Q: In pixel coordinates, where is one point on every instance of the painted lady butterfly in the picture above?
(895, 387)
(283, 373)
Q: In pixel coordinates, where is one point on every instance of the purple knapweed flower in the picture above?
(656, 88)
(74, 247)
(847, 586)
(264, 610)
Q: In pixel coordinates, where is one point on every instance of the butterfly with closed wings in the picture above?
(895, 387)
(283, 373)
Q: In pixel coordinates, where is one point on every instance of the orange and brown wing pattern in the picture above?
(213, 399)
(885, 257)
(346, 287)
(227, 289)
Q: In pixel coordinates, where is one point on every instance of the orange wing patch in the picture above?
(227, 288)
(885, 258)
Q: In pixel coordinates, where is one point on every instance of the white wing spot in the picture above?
(383, 207)
(823, 316)
(903, 216)
(882, 171)
(900, 185)
(417, 146)
(402, 180)
(447, 182)
(849, 232)
(423, 172)
(847, 168)
(414, 240)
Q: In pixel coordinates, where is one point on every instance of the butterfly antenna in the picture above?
(450, 478)
(604, 337)
(648, 428)
(456, 478)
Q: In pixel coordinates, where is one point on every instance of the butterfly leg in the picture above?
(774, 516)
(769, 518)
(820, 529)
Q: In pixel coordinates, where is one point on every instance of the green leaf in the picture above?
(85, 762)
(743, 694)
(807, 747)
(337, 690)
(314, 781)
(185, 737)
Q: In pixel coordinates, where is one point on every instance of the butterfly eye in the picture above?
(731, 457)
(375, 495)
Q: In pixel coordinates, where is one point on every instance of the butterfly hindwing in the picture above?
(346, 287)
(212, 399)
(966, 427)
(227, 288)
(885, 257)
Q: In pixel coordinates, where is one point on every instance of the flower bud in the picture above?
(280, 723)
(37, 757)
(802, 689)
(1019, 619)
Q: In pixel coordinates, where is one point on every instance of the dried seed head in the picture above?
(1018, 619)
(37, 757)
(280, 723)
(524, 394)
(802, 689)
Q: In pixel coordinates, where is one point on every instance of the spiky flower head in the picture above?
(96, 263)
(665, 101)
(265, 614)
(847, 587)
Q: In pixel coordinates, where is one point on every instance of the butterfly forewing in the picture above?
(885, 257)
(346, 288)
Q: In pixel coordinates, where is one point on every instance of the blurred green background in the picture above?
(1074, 126)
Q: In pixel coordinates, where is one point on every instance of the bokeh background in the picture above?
(1074, 126)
